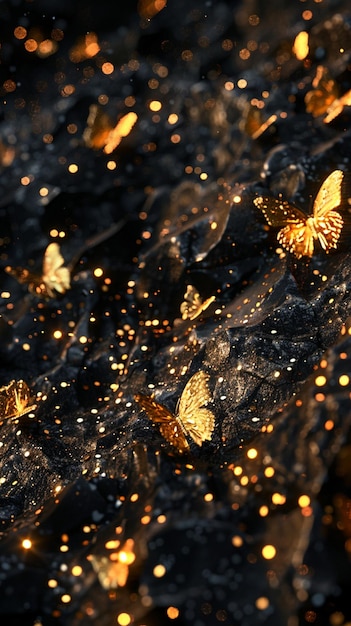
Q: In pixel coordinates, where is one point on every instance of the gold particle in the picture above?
(107, 68)
(155, 106)
(304, 501)
(20, 32)
(172, 612)
(263, 510)
(159, 570)
(252, 453)
(278, 498)
(268, 552)
(237, 541)
(26, 544)
(73, 168)
(320, 381)
(262, 603)
(77, 570)
(344, 380)
(66, 598)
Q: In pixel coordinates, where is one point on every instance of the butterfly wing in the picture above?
(279, 213)
(170, 427)
(55, 275)
(14, 400)
(328, 197)
(328, 223)
(197, 421)
(295, 235)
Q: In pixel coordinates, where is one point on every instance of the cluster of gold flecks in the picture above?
(193, 419)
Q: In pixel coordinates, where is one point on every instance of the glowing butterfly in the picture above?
(55, 276)
(100, 132)
(113, 571)
(325, 96)
(254, 124)
(15, 400)
(299, 231)
(193, 304)
(111, 574)
(192, 418)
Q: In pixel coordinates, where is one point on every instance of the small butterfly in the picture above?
(55, 276)
(325, 96)
(15, 400)
(192, 418)
(193, 304)
(299, 231)
(100, 131)
(111, 574)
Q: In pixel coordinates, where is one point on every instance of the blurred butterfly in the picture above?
(193, 304)
(299, 231)
(254, 123)
(113, 571)
(192, 418)
(15, 400)
(324, 92)
(325, 96)
(55, 276)
(100, 131)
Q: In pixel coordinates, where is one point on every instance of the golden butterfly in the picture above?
(15, 400)
(191, 419)
(113, 571)
(55, 276)
(193, 304)
(100, 131)
(325, 96)
(298, 231)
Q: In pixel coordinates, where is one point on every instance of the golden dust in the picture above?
(301, 47)
(252, 453)
(52, 583)
(172, 119)
(192, 418)
(208, 497)
(278, 498)
(66, 598)
(262, 603)
(304, 501)
(269, 472)
(107, 68)
(155, 105)
(320, 381)
(73, 168)
(344, 380)
(269, 552)
(149, 8)
(298, 231)
(237, 541)
(329, 425)
(26, 544)
(20, 32)
(159, 570)
(172, 612)
(77, 570)
(124, 619)
(263, 511)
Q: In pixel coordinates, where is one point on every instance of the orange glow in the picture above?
(149, 8)
(122, 129)
(300, 47)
